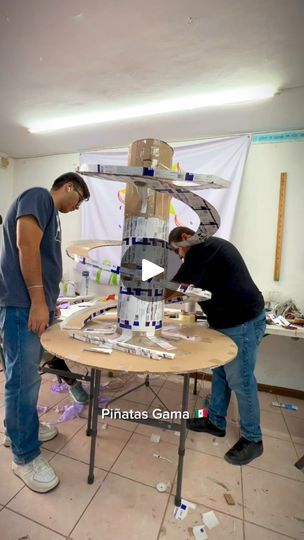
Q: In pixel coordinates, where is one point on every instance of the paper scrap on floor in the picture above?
(210, 520)
(199, 533)
(181, 511)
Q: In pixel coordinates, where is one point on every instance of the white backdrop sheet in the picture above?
(102, 217)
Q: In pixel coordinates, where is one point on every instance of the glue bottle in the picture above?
(85, 283)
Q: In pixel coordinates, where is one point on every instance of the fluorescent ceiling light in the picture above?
(161, 107)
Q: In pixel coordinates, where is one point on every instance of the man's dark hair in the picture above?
(176, 234)
(77, 182)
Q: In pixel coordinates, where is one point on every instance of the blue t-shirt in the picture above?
(39, 203)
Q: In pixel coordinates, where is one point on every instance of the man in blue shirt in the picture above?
(30, 273)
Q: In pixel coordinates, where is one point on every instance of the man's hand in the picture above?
(38, 318)
(57, 312)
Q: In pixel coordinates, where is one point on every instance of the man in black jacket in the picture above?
(237, 310)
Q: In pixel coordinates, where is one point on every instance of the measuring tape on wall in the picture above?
(281, 210)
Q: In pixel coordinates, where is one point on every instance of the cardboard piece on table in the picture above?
(79, 319)
(82, 248)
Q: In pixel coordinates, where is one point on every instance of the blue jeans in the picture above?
(238, 376)
(22, 353)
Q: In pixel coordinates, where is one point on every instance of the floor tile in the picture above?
(292, 401)
(173, 399)
(229, 527)
(175, 383)
(166, 435)
(273, 425)
(109, 444)
(296, 428)
(300, 450)
(252, 532)
(266, 399)
(122, 509)
(207, 478)
(138, 462)
(215, 446)
(279, 457)
(2, 428)
(142, 395)
(273, 502)
(60, 509)
(10, 484)
(14, 526)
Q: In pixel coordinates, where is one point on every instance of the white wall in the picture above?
(281, 359)
(255, 225)
(6, 187)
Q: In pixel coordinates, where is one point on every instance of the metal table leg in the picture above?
(96, 385)
(90, 408)
(181, 449)
(300, 464)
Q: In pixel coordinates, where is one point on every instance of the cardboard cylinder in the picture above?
(148, 153)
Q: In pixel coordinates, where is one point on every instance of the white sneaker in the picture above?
(38, 474)
(46, 433)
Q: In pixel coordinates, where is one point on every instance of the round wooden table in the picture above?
(207, 349)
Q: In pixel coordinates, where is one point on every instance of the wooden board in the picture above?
(280, 226)
(82, 248)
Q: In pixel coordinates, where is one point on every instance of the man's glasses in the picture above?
(80, 195)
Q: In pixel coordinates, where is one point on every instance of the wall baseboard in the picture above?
(279, 390)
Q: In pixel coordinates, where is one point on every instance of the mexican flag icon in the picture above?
(200, 413)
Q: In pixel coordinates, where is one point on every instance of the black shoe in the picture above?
(244, 451)
(205, 426)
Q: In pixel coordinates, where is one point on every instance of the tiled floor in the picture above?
(123, 501)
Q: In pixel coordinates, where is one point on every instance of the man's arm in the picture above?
(28, 241)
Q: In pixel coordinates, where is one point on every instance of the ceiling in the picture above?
(69, 57)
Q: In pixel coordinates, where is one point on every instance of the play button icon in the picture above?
(143, 269)
(150, 270)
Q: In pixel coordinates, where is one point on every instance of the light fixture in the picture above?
(214, 99)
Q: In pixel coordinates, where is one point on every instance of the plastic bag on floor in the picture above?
(60, 388)
(69, 412)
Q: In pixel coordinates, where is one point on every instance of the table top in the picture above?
(209, 349)
(275, 330)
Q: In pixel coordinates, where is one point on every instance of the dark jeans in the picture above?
(238, 375)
